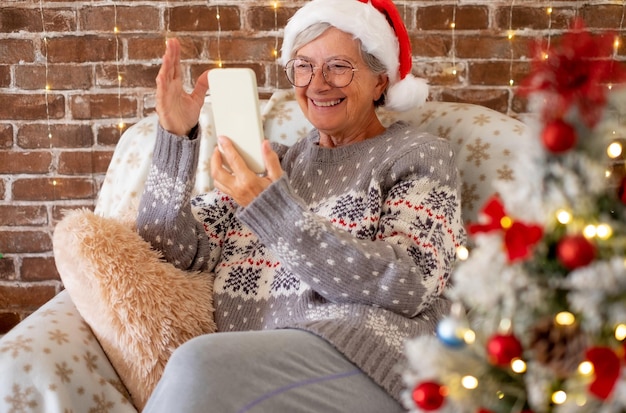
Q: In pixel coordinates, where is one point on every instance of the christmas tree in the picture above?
(538, 321)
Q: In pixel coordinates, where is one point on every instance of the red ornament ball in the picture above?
(558, 136)
(502, 348)
(574, 251)
(429, 396)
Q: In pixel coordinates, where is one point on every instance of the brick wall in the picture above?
(55, 144)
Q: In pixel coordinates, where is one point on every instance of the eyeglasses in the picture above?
(337, 72)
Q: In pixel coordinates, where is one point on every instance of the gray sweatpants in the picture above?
(275, 371)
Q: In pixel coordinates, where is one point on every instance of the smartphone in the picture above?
(236, 113)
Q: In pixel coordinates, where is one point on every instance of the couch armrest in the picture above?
(52, 362)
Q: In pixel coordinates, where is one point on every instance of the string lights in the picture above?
(219, 35)
(510, 36)
(116, 31)
(47, 88)
(453, 47)
(275, 51)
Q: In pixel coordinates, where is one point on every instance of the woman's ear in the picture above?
(381, 86)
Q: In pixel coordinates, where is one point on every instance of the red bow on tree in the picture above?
(519, 237)
(574, 73)
(606, 367)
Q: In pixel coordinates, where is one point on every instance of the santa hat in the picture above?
(379, 27)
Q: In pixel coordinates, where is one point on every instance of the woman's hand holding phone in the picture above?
(241, 183)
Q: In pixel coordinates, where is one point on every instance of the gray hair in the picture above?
(317, 29)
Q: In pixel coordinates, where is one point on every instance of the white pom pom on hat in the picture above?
(379, 27)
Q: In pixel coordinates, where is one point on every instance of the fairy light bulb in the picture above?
(585, 368)
(590, 231)
(559, 397)
(620, 332)
(565, 318)
(614, 150)
(469, 382)
(469, 336)
(549, 10)
(563, 216)
(604, 231)
(518, 365)
(462, 253)
(506, 222)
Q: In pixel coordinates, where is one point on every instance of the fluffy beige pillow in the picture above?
(139, 307)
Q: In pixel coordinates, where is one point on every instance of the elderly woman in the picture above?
(326, 264)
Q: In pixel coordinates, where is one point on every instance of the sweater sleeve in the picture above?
(403, 268)
(165, 219)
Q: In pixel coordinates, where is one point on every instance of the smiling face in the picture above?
(342, 115)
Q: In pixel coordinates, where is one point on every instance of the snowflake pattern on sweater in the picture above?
(354, 244)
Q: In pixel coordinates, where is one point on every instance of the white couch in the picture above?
(51, 362)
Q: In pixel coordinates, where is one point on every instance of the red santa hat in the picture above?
(379, 27)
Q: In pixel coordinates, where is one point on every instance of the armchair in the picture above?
(52, 362)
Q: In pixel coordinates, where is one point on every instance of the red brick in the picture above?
(45, 189)
(81, 49)
(262, 18)
(83, 162)
(39, 269)
(17, 242)
(102, 106)
(491, 47)
(7, 268)
(146, 46)
(243, 49)
(5, 75)
(109, 135)
(132, 75)
(497, 73)
(603, 15)
(12, 162)
(13, 20)
(13, 51)
(35, 136)
(441, 17)
(8, 320)
(17, 106)
(23, 215)
(6, 136)
(431, 45)
(129, 19)
(60, 77)
(25, 296)
(202, 18)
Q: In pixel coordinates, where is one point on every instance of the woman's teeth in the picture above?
(328, 103)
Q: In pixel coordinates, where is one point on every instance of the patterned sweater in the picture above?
(354, 244)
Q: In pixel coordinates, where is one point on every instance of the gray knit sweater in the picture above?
(354, 244)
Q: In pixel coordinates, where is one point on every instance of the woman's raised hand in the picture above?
(178, 110)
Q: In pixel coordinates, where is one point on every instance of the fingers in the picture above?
(272, 163)
(201, 87)
(235, 162)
